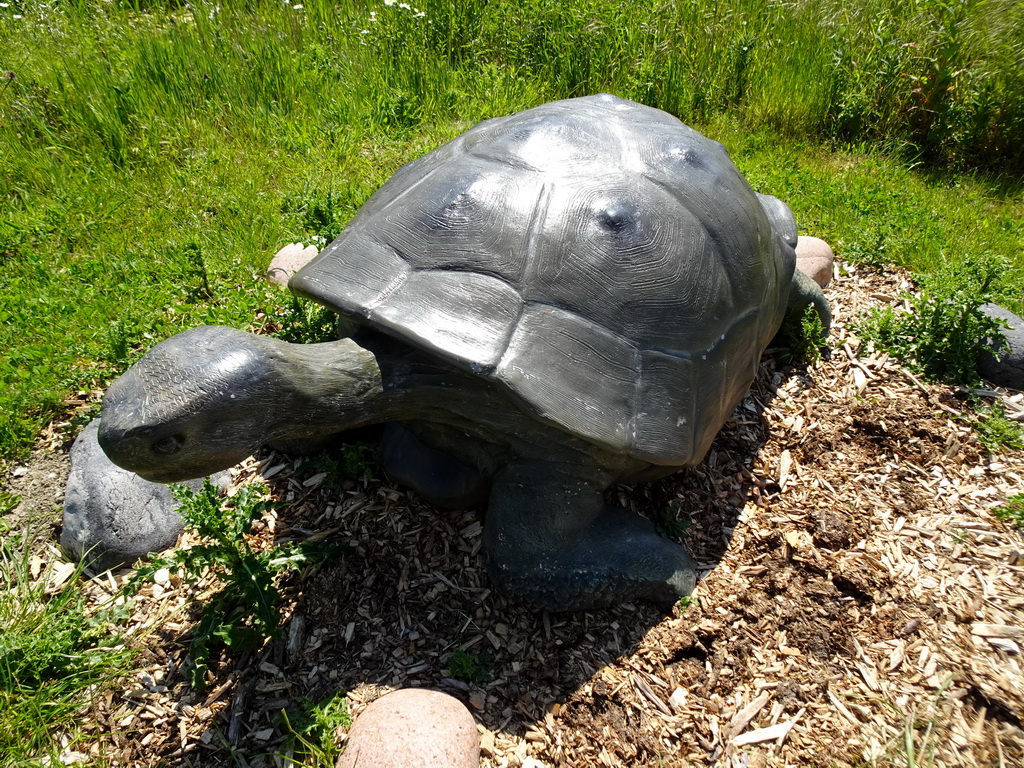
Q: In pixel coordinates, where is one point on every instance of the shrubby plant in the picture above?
(313, 730)
(940, 334)
(244, 610)
(995, 431)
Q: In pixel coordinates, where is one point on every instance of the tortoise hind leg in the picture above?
(437, 475)
(804, 292)
(551, 542)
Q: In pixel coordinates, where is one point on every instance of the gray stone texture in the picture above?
(413, 727)
(1008, 369)
(113, 517)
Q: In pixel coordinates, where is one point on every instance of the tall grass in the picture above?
(153, 154)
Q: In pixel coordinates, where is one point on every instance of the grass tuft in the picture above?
(56, 650)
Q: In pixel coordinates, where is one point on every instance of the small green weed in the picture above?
(1013, 511)
(939, 336)
(57, 652)
(916, 739)
(684, 603)
(8, 501)
(352, 461)
(670, 521)
(805, 336)
(470, 667)
(996, 432)
(245, 610)
(306, 322)
(313, 730)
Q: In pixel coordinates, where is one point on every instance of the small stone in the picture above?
(288, 261)
(413, 726)
(815, 259)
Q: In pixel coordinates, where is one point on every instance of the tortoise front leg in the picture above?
(552, 543)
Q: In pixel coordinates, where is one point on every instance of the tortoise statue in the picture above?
(556, 301)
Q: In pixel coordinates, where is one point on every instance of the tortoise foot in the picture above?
(617, 558)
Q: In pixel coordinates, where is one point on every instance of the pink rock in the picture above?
(814, 258)
(413, 727)
(288, 261)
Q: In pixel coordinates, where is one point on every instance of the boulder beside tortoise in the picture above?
(1002, 362)
(815, 259)
(554, 302)
(113, 517)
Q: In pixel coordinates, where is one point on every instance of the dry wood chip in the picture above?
(742, 718)
(776, 732)
(998, 630)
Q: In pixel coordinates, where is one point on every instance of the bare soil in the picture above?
(857, 591)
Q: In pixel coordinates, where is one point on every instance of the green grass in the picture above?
(313, 731)
(56, 648)
(153, 156)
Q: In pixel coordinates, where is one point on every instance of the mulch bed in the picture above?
(857, 589)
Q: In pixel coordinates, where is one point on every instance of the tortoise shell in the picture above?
(603, 262)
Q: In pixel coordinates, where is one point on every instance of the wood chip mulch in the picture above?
(859, 595)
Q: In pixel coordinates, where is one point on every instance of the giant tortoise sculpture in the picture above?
(556, 301)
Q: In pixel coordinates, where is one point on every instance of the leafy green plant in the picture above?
(244, 609)
(306, 322)
(470, 667)
(997, 432)
(57, 652)
(939, 336)
(684, 603)
(1012, 511)
(671, 520)
(313, 730)
(8, 501)
(349, 462)
(804, 335)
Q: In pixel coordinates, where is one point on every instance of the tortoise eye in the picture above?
(168, 445)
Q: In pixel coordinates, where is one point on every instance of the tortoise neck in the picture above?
(340, 385)
(326, 388)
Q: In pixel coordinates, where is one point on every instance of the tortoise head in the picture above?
(197, 403)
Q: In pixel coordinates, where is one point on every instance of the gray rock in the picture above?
(413, 727)
(1008, 369)
(111, 516)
